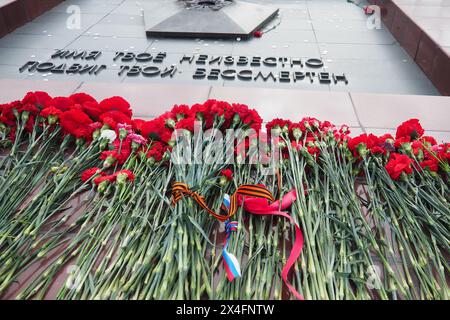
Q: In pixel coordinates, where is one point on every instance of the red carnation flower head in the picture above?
(202, 113)
(92, 109)
(81, 98)
(38, 98)
(216, 107)
(77, 123)
(51, 114)
(156, 130)
(62, 103)
(377, 150)
(227, 173)
(429, 141)
(252, 120)
(257, 34)
(431, 164)
(241, 114)
(103, 178)
(109, 157)
(363, 143)
(181, 111)
(116, 104)
(411, 129)
(89, 173)
(103, 182)
(295, 131)
(398, 165)
(226, 176)
(403, 143)
(169, 119)
(186, 124)
(310, 124)
(27, 111)
(156, 152)
(278, 125)
(113, 118)
(9, 112)
(123, 176)
(137, 125)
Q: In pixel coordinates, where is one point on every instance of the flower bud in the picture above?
(236, 119)
(121, 178)
(52, 119)
(151, 161)
(103, 186)
(80, 142)
(223, 181)
(109, 161)
(170, 123)
(25, 116)
(297, 133)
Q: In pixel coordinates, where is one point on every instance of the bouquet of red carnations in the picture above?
(164, 209)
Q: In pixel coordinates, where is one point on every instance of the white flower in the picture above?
(109, 134)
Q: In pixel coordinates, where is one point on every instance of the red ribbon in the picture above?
(262, 207)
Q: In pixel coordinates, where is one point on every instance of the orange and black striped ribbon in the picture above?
(180, 190)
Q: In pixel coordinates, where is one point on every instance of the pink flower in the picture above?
(137, 138)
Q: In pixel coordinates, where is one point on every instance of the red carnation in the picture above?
(278, 124)
(76, 123)
(81, 98)
(431, 164)
(429, 140)
(31, 108)
(112, 156)
(124, 175)
(253, 120)
(89, 173)
(62, 103)
(361, 144)
(186, 124)
(258, 34)
(109, 178)
(113, 118)
(398, 164)
(157, 151)
(8, 113)
(50, 111)
(92, 110)
(181, 111)
(116, 104)
(227, 173)
(377, 150)
(39, 98)
(137, 125)
(156, 130)
(411, 129)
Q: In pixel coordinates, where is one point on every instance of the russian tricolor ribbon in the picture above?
(230, 262)
(255, 199)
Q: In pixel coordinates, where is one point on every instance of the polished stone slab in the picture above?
(16, 13)
(236, 19)
(371, 60)
(423, 29)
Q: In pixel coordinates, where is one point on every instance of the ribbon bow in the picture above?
(180, 190)
(256, 201)
(262, 207)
